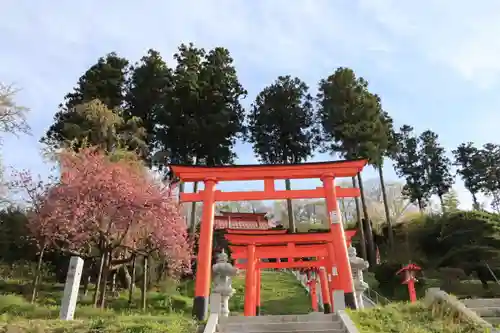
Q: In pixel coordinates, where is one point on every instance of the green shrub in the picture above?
(410, 318)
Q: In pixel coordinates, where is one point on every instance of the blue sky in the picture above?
(434, 63)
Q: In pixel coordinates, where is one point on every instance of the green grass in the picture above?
(281, 293)
(165, 313)
(18, 316)
(168, 311)
(411, 318)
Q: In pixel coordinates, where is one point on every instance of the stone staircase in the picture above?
(310, 323)
(487, 308)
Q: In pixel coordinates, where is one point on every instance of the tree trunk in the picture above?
(104, 281)
(407, 243)
(368, 232)
(475, 203)
(345, 217)
(132, 281)
(144, 284)
(86, 283)
(360, 224)
(113, 281)
(99, 278)
(192, 223)
(441, 201)
(162, 270)
(87, 271)
(38, 273)
(386, 208)
(151, 271)
(289, 207)
(420, 206)
(127, 279)
(370, 246)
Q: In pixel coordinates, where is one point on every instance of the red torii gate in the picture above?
(257, 245)
(326, 171)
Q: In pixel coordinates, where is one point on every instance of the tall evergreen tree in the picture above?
(149, 83)
(436, 165)
(282, 127)
(353, 126)
(408, 165)
(202, 115)
(104, 81)
(176, 119)
(490, 173)
(469, 164)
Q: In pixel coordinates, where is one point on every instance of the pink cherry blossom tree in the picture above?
(114, 206)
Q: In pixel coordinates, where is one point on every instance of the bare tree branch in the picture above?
(13, 118)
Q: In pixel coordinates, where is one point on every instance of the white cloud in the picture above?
(460, 34)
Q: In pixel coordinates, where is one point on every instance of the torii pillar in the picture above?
(203, 280)
(345, 280)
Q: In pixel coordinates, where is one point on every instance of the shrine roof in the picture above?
(220, 223)
(343, 168)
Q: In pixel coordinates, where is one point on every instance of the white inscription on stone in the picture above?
(71, 288)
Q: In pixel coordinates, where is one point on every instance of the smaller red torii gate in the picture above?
(254, 246)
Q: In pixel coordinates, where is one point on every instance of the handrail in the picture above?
(211, 325)
(349, 325)
(492, 274)
(213, 318)
(376, 297)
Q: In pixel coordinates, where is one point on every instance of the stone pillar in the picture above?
(223, 274)
(358, 265)
(71, 288)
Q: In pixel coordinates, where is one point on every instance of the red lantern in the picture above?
(410, 272)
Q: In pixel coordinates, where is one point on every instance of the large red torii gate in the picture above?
(326, 171)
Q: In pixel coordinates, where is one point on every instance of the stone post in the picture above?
(71, 288)
(223, 274)
(358, 265)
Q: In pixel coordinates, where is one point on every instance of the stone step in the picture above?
(339, 330)
(281, 327)
(279, 319)
(487, 311)
(481, 302)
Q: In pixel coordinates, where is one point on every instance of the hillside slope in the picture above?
(281, 293)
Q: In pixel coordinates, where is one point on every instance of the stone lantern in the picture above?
(223, 274)
(358, 265)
